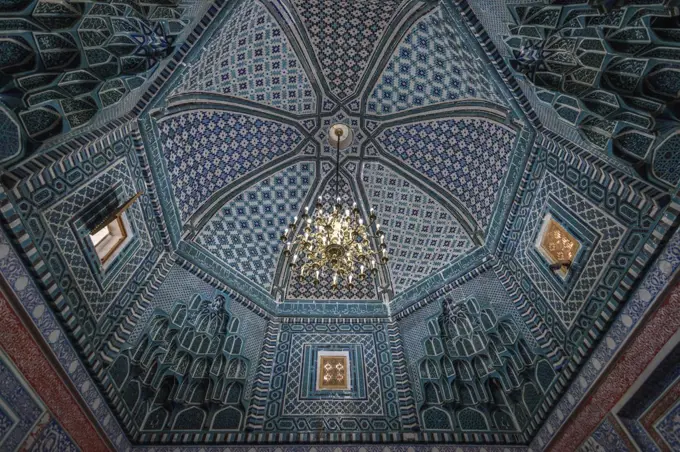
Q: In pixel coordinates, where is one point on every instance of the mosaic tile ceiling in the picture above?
(244, 127)
(197, 333)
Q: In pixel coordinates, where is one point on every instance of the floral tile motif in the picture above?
(669, 427)
(245, 232)
(207, 149)
(250, 57)
(609, 437)
(19, 406)
(422, 235)
(432, 64)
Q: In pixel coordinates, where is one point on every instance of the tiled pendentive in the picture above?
(250, 57)
(245, 232)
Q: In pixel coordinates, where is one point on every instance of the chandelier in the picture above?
(335, 241)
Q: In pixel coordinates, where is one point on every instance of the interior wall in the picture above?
(48, 214)
(468, 351)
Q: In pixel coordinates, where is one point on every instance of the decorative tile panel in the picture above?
(58, 218)
(206, 150)
(466, 156)
(367, 402)
(433, 63)
(245, 232)
(250, 57)
(370, 405)
(567, 304)
(422, 235)
(557, 245)
(344, 35)
(306, 290)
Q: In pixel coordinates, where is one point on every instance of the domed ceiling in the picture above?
(477, 333)
(242, 137)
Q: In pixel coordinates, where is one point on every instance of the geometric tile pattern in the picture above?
(371, 406)
(250, 57)
(178, 286)
(59, 217)
(344, 35)
(199, 344)
(206, 150)
(299, 368)
(432, 64)
(568, 306)
(487, 290)
(466, 156)
(414, 333)
(422, 235)
(306, 290)
(245, 232)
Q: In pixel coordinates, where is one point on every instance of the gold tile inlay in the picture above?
(333, 372)
(559, 245)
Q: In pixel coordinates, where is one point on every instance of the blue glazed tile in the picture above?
(432, 64)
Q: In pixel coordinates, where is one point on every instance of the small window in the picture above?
(109, 239)
(557, 246)
(333, 371)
